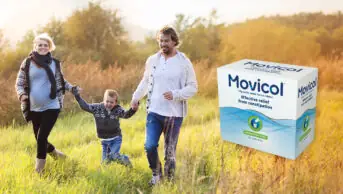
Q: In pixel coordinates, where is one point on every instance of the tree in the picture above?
(55, 28)
(200, 37)
(12, 58)
(268, 40)
(338, 42)
(97, 32)
(324, 38)
(25, 45)
(3, 42)
(3, 46)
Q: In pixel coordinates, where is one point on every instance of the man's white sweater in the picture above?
(175, 74)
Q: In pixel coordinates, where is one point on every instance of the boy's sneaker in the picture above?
(121, 159)
(126, 161)
(155, 180)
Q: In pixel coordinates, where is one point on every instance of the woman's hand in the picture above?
(76, 90)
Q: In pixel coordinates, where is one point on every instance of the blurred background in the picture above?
(104, 44)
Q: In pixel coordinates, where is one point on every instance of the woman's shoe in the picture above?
(40, 163)
(56, 154)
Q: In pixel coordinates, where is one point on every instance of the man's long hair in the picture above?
(167, 30)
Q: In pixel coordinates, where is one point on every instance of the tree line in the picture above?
(96, 33)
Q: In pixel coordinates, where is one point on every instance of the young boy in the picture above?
(106, 115)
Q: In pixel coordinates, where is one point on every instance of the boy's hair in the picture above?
(111, 93)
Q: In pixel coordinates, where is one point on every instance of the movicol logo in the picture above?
(307, 88)
(255, 123)
(306, 123)
(275, 67)
(255, 86)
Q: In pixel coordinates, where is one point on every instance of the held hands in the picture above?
(134, 105)
(75, 90)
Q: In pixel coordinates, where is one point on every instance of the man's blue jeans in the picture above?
(110, 151)
(170, 126)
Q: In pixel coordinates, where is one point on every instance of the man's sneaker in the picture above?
(171, 179)
(155, 180)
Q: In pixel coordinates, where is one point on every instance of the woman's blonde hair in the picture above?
(46, 37)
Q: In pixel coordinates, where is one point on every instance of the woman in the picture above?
(40, 88)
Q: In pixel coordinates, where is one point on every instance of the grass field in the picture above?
(205, 163)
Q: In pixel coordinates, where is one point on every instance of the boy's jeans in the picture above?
(170, 126)
(110, 151)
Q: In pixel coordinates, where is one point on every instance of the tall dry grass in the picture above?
(94, 80)
(205, 163)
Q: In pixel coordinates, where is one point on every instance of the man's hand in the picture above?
(134, 108)
(23, 98)
(134, 104)
(168, 95)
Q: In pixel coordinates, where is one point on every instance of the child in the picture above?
(106, 115)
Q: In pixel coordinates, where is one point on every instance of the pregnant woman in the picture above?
(40, 88)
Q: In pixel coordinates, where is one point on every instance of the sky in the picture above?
(18, 16)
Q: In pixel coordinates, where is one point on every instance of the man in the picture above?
(169, 80)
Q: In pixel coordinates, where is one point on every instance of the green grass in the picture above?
(205, 163)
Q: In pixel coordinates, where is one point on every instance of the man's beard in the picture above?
(165, 50)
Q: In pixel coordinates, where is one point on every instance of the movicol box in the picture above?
(268, 106)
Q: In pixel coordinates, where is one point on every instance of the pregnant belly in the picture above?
(40, 98)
